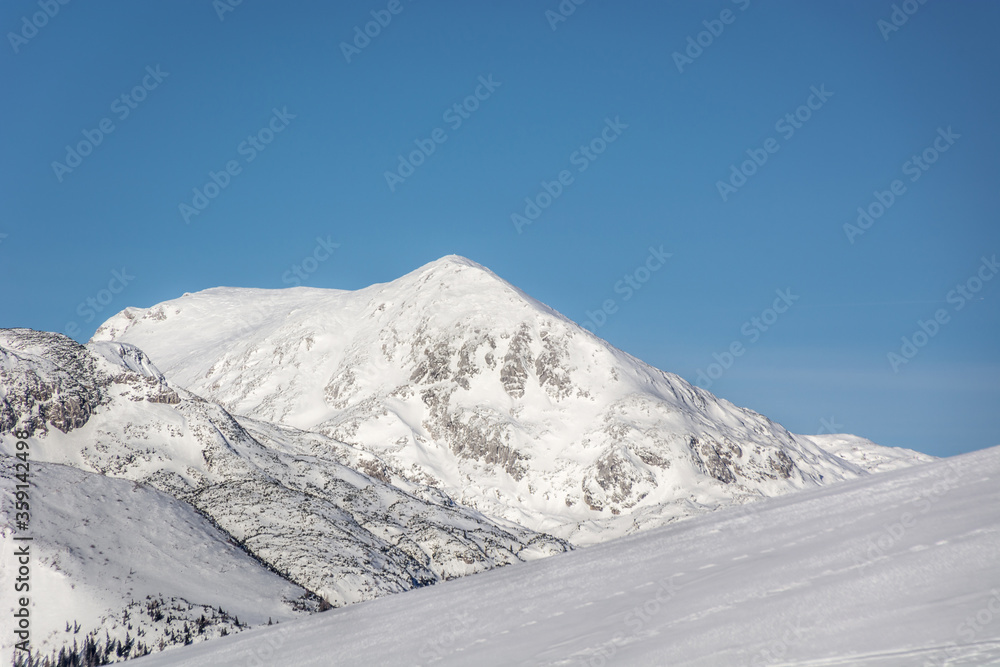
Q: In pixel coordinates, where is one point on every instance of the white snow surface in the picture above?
(901, 568)
(460, 381)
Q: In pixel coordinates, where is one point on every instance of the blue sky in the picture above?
(641, 137)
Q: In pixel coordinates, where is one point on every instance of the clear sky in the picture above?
(739, 137)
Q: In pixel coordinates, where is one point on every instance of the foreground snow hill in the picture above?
(894, 569)
(458, 380)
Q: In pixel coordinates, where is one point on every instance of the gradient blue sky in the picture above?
(821, 366)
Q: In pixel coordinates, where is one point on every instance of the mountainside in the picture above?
(301, 503)
(455, 379)
(897, 569)
(113, 559)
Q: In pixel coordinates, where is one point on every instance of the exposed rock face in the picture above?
(717, 459)
(47, 396)
(612, 480)
(481, 434)
(51, 380)
(514, 374)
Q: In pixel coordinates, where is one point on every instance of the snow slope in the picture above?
(108, 554)
(460, 381)
(900, 568)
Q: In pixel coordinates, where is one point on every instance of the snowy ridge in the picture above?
(823, 577)
(457, 380)
(866, 454)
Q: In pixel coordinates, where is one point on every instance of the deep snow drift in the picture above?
(901, 568)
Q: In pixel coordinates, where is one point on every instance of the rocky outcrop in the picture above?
(43, 392)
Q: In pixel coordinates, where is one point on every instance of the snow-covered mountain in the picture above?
(331, 447)
(896, 569)
(456, 379)
(299, 503)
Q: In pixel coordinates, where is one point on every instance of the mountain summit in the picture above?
(455, 379)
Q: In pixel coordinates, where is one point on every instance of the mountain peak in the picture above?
(454, 260)
(451, 266)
